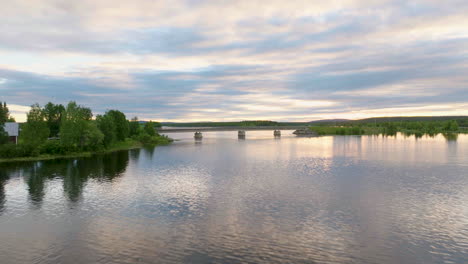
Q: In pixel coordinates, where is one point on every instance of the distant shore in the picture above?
(383, 130)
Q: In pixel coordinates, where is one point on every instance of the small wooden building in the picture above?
(12, 129)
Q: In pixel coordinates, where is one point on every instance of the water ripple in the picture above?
(293, 200)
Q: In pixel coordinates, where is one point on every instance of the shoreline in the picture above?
(369, 130)
(125, 145)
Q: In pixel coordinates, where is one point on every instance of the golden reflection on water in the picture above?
(353, 199)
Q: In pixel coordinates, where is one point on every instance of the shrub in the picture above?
(149, 129)
(3, 135)
(17, 151)
(7, 151)
(146, 139)
(53, 147)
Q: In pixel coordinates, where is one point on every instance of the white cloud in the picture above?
(241, 58)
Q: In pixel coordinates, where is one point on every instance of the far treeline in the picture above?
(462, 121)
(390, 126)
(370, 126)
(56, 130)
(247, 123)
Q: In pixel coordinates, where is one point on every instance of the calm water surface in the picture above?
(259, 200)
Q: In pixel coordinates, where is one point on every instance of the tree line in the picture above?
(245, 123)
(390, 128)
(58, 130)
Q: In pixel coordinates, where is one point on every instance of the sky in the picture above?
(197, 60)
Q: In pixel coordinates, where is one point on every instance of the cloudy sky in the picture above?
(197, 60)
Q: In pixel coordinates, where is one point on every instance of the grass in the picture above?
(49, 157)
(123, 145)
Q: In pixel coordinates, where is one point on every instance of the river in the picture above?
(334, 199)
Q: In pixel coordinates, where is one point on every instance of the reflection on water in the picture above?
(450, 136)
(3, 179)
(343, 199)
(74, 174)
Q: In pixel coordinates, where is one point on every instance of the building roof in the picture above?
(12, 129)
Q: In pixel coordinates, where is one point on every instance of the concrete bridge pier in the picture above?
(277, 133)
(198, 135)
(241, 134)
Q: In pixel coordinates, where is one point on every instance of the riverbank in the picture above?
(381, 130)
(128, 144)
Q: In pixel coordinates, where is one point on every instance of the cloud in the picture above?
(216, 60)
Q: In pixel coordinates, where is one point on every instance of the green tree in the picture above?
(121, 124)
(149, 128)
(53, 115)
(451, 126)
(106, 125)
(4, 113)
(134, 127)
(157, 125)
(77, 129)
(4, 117)
(390, 128)
(35, 131)
(3, 135)
(92, 137)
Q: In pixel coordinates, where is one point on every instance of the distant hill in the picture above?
(223, 124)
(410, 118)
(329, 121)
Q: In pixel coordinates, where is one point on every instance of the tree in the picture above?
(4, 113)
(106, 125)
(451, 126)
(134, 127)
(92, 137)
(149, 128)
(390, 128)
(35, 131)
(157, 125)
(77, 129)
(4, 117)
(53, 115)
(121, 124)
(3, 135)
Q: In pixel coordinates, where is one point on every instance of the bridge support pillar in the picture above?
(198, 135)
(241, 134)
(277, 133)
